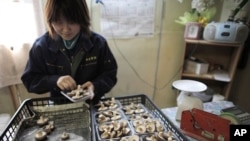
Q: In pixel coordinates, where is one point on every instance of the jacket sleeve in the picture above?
(35, 78)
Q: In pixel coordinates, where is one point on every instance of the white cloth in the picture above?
(12, 64)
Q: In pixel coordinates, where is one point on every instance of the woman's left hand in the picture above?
(90, 87)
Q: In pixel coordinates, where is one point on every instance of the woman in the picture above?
(69, 54)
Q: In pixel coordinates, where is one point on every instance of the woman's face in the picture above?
(66, 29)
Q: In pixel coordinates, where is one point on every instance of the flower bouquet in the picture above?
(203, 11)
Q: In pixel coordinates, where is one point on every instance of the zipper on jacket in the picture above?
(69, 59)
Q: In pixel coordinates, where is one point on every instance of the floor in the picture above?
(4, 119)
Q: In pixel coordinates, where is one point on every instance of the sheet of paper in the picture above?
(127, 18)
(222, 76)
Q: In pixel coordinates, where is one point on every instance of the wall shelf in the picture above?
(220, 57)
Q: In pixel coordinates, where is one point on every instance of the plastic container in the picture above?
(17, 125)
(152, 108)
(74, 118)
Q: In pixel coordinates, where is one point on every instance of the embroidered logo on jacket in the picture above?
(91, 60)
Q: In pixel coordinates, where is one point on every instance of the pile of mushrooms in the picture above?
(109, 115)
(114, 129)
(143, 126)
(131, 138)
(133, 109)
(113, 126)
(78, 93)
(145, 115)
(48, 127)
(160, 136)
(108, 104)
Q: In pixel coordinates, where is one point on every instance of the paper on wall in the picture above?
(127, 18)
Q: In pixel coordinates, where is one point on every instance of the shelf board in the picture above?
(208, 76)
(200, 76)
(212, 43)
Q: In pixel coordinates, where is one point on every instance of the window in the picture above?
(20, 21)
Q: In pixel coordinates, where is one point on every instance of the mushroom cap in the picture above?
(124, 139)
(64, 136)
(129, 111)
(133, 138)
(105, 135)
(77, 96)
(137, 122)
(138, 111)
(113, 106)
(102, 127)
(149, 138)
(119, 133)
(113, 134)
(125, 131)
(47, 129)
(116, 117)
(40, 135)
(123, 122)
(108, 113)
(150, 127)
(140, 129)
(102, 107)
(117, 126)
(42, 120)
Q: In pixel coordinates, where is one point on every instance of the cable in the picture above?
(158, 50)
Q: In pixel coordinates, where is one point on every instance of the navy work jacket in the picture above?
(49, 59)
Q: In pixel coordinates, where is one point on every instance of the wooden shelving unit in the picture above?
(222, 57)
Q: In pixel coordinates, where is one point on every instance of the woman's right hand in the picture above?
(66, 83)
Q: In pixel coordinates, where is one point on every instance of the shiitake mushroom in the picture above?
(65, 136)
(42, 121)
(40, 135)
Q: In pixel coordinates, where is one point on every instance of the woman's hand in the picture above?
(66, 83)
(90, 87)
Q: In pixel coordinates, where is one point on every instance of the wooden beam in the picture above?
(14, 97)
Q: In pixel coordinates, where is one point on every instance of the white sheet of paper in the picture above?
(127, 18)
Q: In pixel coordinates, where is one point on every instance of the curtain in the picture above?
(21, 23)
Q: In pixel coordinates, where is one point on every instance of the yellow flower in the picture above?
(202, 21)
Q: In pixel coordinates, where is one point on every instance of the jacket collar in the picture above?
(83, 42)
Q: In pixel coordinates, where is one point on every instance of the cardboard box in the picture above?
(196, 66)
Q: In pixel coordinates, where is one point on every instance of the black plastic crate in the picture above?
(25, 112)
(152, 108)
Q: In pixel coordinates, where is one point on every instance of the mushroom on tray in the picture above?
(42, 120)
(65, 136)
(40, 135)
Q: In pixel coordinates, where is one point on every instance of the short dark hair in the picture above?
(73, 10)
